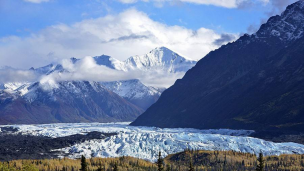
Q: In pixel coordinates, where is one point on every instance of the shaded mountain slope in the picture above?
(255, 83)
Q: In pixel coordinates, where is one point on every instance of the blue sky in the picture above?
(21, 18)
(116, 27)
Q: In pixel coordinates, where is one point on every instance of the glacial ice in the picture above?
(146, 142)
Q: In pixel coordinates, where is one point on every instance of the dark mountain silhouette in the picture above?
(256, 82)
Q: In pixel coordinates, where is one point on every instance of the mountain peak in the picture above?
(293, 9)
(299, 3)
(162, 48)
(74, 60)
(102, 58)
(160, 58)
(288, 26)
(108, 61)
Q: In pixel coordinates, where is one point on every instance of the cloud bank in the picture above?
(123, 35)
(87, 70)
(12, 75)
(219, 3)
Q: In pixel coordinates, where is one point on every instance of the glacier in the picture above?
(146, 142)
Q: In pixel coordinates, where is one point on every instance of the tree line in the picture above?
(188, 160)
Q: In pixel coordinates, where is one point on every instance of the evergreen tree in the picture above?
(191, 168)
(29, 167)
(115, 168)
(261, 162)
(160, 162)
(99, 167)
(84, 165)
(168, 168)
(64, 168)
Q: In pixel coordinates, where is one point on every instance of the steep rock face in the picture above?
(77, 101)
(135, 92)
(255, 83)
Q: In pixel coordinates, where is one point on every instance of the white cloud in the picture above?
(221, 3)
(159, 78)
(276, 4)
(87, 70)
(36, 1)
(129, 33)
(128, 1)
(11, 75)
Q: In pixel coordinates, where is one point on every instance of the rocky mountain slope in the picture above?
(135, 91)
(76, 101)
(256, 82)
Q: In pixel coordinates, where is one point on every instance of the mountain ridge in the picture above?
(85, 102)
(59, 100)
(242, 85)
(158, 58)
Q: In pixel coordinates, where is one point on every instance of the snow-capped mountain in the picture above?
(135, 92)
(44, 70)
(53, 67)
(110, 62)
(160, 58)
(12, 86)
(287, 27)
(67, 101)
(24, 102)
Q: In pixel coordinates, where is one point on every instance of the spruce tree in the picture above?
(261, 162)
(115, 168)
(168, 168)
(191, 168)
(84, 165)
(99, 167)
(160, 162)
